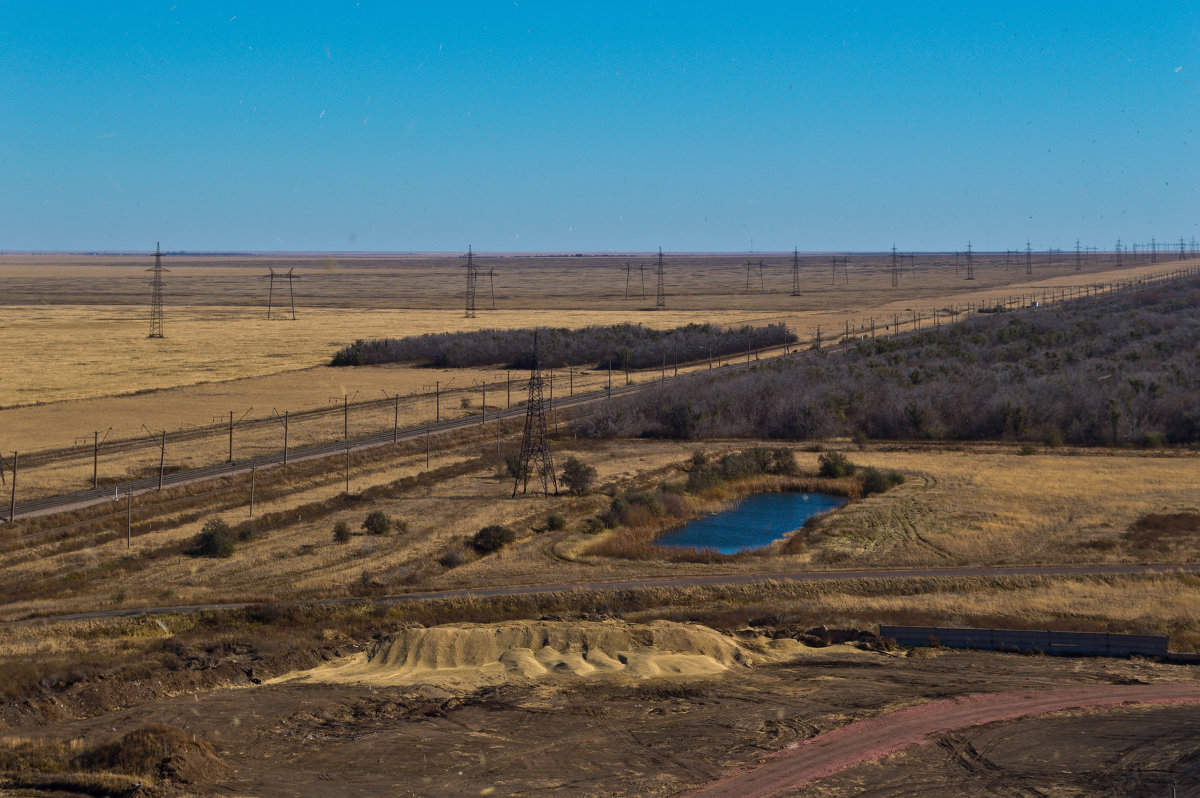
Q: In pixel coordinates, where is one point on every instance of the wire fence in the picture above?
(101, 468)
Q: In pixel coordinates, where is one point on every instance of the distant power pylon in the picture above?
(895, 268)
(156, 297)
(273, 276)
(796, 272)
(642, 273)
(1181, 248)
(1118, 251)
(762, 286)
(1078, 265)
(970, 263)
(845, 264)
(627, 271)
(492, 284)
(535, 441)
(1028, 257)
(472, 276)
(1153, 250)
(661, 298)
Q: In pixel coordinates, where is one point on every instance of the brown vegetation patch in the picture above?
(1160, 530)
(120, 766)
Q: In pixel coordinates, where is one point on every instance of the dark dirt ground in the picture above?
(584, 737)
(1147, 750)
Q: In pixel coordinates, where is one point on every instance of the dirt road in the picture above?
(652, 582)
(801, 764)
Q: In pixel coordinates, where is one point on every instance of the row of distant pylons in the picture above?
(901, 262)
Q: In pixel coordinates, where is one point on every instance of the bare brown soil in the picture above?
(799, 765)
(588, 737)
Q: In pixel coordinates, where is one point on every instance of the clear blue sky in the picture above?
(552, 126)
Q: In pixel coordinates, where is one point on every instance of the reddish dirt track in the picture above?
(801, 764)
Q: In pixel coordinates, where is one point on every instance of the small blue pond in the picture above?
(755, 522)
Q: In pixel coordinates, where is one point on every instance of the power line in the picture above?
(156, 297)
(472, 275)
(273, 276)
(535, 440)
(661, 298)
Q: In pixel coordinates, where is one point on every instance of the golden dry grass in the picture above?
(976, 506)
(76, 327)
(994, 506)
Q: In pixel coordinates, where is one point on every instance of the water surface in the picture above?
(755, 522)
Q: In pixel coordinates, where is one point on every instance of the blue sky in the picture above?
(549, 126)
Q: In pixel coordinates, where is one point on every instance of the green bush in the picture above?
(246, 531)
(216, 539)
(492, 538)
(556, 522)
(593, 526)
(512, 462)
(341, 532)
(835, 465)
(578, 476)
(783, 461)
(377, 522)
(877, 481)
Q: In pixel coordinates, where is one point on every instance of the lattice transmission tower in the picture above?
(472, 276)
(661, 298)
(1028, 257)
(970, 262)
(796, 272)
(895, 268)
(290, 278)
(536, 458)
(156, 296)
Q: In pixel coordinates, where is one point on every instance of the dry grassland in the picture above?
(985, 506)
(75, 328)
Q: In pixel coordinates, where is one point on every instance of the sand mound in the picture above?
(489, 653)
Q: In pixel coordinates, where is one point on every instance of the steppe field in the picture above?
(577, 658)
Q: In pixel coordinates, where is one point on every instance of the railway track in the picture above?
(88, 498)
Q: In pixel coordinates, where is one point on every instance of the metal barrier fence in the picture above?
(1057, 643)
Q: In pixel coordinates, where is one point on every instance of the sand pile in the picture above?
(490, 653)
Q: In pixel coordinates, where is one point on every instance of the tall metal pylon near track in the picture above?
(472, 276)
(970, 263)
(1028, 257)
(661, 298)
(156, 284)
(536, 458)
(895, 269)
(273, 276)
(796, 272)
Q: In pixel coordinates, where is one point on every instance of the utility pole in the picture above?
(12, 497)
(661, 298)
(96, 441)
(472, 275)
(129, 518)
(252, 470)
(233, 424)
(1078, 266)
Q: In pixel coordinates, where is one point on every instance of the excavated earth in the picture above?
(609, 708)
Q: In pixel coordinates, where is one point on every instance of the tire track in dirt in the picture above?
(800, 764)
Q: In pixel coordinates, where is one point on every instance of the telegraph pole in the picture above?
(661, 298)
(472, 275)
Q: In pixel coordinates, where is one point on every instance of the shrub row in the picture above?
(618, 346)
(1122, 369)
